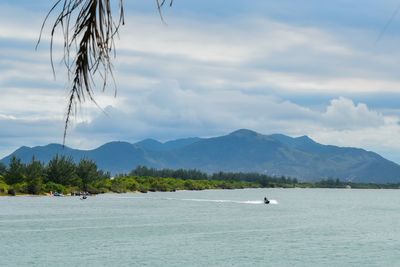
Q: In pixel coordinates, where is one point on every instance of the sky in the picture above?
(326, 69)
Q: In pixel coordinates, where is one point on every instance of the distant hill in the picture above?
(240, 151)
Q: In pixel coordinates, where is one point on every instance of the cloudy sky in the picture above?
(326, 69)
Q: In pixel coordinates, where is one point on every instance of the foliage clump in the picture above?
(65, 176)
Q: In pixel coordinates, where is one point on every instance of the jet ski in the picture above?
(84, 196)
(266, 201)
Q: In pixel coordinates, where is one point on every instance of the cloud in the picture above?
(181, 113)
(207, 77)
(343, 114)
(15, 132)
(257, 53)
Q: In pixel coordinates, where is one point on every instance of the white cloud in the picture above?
(254, 54)
(182, 113)
(342, 113)
(204, 79)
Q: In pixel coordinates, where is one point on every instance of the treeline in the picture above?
(63, 175)
(262, 179)
(336, 183)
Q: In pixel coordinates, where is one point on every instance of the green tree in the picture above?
(34, 177)
(15, 172)
(62, 170)
(87, 172)
(3, 168)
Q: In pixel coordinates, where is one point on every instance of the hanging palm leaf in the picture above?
(89, 30)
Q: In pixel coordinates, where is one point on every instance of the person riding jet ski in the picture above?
(266, 201)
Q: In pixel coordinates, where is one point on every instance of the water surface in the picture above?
(308, 227)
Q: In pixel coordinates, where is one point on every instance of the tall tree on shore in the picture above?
(62, 170)
(34, 177)
(15, 172)
(3, 168)
(87, 172)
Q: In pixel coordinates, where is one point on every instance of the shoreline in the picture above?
(186, 190)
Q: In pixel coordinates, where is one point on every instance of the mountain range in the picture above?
(240, 151)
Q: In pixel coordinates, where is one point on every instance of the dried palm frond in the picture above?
(89, 29)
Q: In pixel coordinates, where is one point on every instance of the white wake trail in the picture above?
(251, 202)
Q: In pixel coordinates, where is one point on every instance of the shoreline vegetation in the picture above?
(64, 176)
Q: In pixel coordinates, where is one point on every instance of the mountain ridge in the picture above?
(240, 151)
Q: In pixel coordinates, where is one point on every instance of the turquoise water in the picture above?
(308, 227)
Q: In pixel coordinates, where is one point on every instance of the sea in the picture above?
(301, 227)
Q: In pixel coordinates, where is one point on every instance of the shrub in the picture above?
(3, 187)
(53, 187)
(21, 187)
(119, 186)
